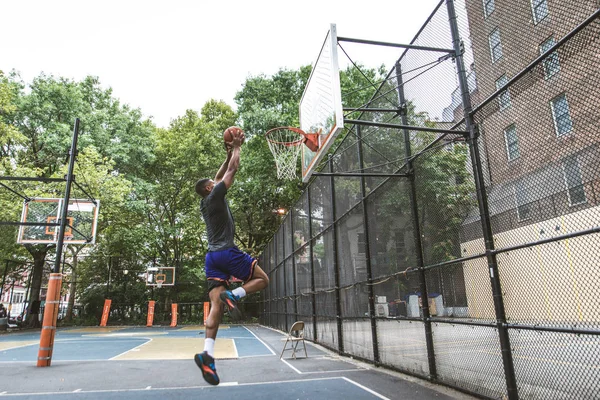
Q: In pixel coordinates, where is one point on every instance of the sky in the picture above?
(165, 57)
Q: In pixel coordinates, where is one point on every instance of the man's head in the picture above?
(204, 187)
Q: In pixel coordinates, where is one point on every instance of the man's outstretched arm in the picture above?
(224, 167)
(234, 162)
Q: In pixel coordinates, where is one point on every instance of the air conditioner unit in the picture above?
(382, 310)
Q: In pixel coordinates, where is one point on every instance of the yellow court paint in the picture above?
(169, 348)
(200, 327)
(93, 329)
(14, 345)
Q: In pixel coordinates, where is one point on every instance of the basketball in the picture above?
(227, 135)
(229, 132)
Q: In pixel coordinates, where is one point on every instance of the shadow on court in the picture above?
(156, 363)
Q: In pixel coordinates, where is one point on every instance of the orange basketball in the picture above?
(227, 135)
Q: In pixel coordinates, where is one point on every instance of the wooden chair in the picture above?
(294, 337)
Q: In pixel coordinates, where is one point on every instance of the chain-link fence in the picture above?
(458, 238)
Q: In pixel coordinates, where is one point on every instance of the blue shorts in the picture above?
(232, 262)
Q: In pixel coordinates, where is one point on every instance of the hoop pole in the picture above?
(54, 284)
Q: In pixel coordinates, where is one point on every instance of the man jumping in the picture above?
(224, 259)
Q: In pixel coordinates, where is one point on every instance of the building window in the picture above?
(362, 244)
(539, 9)
(400, 245)
(522, 200)
(561, 115)
(488, 7)
(551, 63)
(512, 142)
(572, 174)
(495, 45)
(503, 97)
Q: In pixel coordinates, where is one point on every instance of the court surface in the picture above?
(157, 363)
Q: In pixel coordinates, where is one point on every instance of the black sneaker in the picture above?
(231, 301)
(207, 365)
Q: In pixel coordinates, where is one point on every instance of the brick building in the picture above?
(541, 148)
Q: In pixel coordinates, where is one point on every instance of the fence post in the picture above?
(336, 265)
(414, 208)
(294, 278)
(283, 258)
(507, 359)
(312, 266)
(363, 191)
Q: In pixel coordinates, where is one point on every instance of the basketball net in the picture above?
(285, 145)
(160, 278)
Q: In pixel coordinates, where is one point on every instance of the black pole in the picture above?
(312, 267)
(507, 360)
(414, 208)
(365, 212)
(108, 281)
(26, 305)
(294, 278)
(4, 278)
(336, 266)
(285, 302)
(65, 205)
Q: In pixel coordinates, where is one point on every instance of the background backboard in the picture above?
(82, 220)
(321, 104)
(154, 274)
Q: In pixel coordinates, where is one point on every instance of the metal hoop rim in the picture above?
(289, 128)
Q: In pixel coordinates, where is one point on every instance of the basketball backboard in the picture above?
(82, 220)
(321, 104)
(160, 276)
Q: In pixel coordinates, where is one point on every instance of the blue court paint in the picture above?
(331, 389)
(77, 349)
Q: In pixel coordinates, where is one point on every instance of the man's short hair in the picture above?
(201, 187)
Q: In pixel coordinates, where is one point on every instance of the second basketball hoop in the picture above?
(286, 144)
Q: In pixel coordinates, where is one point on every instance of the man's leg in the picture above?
(214, 316)
(258, 282)
(205, 360)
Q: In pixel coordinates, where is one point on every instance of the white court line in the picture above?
(365, 388)
(135, 348)
(208, 387)
(257, 338)
(237, 355)
(76, 390)
(291, 366)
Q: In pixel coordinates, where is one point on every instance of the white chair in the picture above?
(294, 337)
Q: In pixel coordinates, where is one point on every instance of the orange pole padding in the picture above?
(173, 315)
(150, 319)
(206, 311)
(105, 312)
(49, 320)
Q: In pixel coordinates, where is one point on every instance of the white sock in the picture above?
(239, 292)
(209, 346)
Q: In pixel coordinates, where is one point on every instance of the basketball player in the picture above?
(224, 259)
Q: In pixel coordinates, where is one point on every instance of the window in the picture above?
(488, 7)
(522, 200)
(400, 244)
(551, 64)
(539, 9)
(495, 45)
(561, 115)
(512, 142)
(362, 244)
(18, 298)
(572, 174)
(504, 97)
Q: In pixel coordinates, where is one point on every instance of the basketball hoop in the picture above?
(285, 144)
(160, 278)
